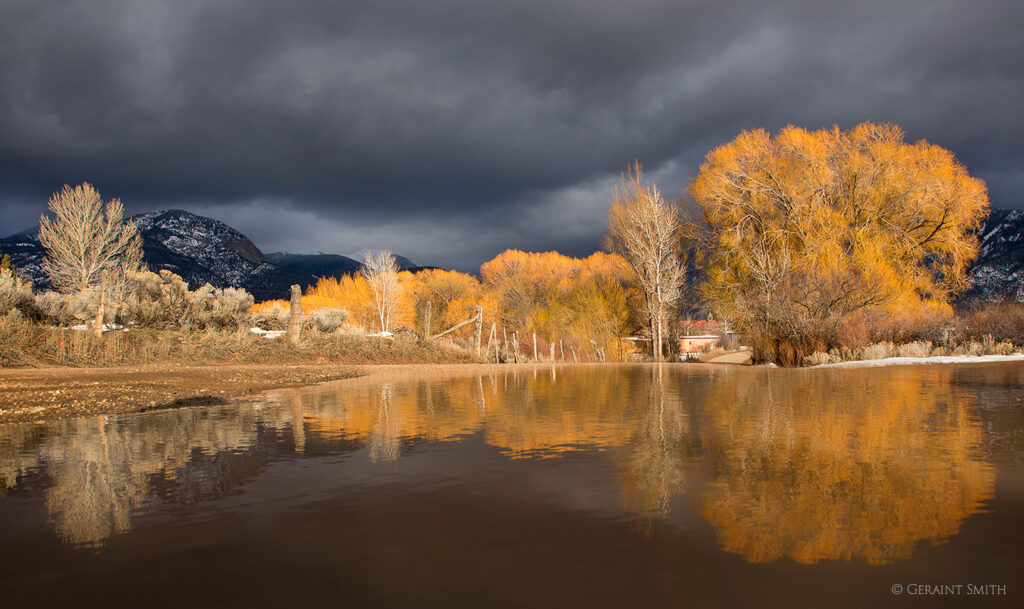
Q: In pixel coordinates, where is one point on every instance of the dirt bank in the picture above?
(46, 394)
(58, 393)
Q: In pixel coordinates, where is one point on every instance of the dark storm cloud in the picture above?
(451, 130)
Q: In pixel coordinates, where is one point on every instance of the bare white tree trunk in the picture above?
(381, 271)
(644, 230)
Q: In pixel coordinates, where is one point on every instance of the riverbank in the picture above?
(935, 359)
(47, 394)
(36, 394)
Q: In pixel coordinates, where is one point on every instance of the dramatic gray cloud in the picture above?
(449, 131)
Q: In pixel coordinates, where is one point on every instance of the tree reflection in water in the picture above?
(819, 465)
(386, 434)
(807, 465)
(653, 465)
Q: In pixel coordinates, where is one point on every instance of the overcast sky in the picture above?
(449, 131)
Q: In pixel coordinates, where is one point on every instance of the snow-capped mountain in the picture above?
(999, 269)
(199, 249)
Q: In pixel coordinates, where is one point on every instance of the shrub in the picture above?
(818, 358)
(969, 347)
(164, 301)
(915, 349)
(63, 309)
(325, 319)
(1003, 320)
(1004, 348)
(160, 300)
(15, 293)
(12, 321)
(272, 317)
(216, 308)
(880, 350)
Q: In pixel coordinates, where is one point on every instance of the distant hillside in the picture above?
(318, 265)
(199, 249)
(331, 265)
(999, 270)
(203, 250)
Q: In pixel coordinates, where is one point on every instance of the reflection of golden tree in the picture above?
(528, 417)
(549, 415)
(842, 465)
(386, 435)
(654, 467)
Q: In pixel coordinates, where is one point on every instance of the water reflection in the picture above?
(806, 465)
(653, 469)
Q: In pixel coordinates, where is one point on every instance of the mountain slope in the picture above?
(318, 265)
(999, 269)
(331, 265)
(199, 249)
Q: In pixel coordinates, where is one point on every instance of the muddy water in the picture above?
(600, 486)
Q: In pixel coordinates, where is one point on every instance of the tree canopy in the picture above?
(86, 239)
(806, 228)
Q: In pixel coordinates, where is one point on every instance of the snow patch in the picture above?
(267, 333)
(942, 359)
(106, 327)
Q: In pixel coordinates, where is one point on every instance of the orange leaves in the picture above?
(558, 296)
(812, 225)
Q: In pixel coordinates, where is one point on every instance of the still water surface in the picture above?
(597, 486)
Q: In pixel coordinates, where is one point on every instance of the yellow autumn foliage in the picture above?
(559, 298)
(808, 227)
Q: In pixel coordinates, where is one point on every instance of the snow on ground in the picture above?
(267, 333)
(106, 327)
(384, 334)
(944, 359)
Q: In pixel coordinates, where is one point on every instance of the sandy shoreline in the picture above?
(47, 394)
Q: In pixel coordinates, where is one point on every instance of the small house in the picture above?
(696, 344)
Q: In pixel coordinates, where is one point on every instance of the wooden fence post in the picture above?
(478, 328)
(493, 337)
(97, 324)
(295, 315)
(426, 321)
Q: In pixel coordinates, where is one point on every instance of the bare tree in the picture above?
(381, 271)
(86, 239)
(644, 229)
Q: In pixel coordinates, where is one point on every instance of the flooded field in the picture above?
(599, 486)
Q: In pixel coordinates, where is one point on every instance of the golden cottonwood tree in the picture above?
(807, 228)
(644, 230)
(558, 297)
(86, 239)
(453, 297)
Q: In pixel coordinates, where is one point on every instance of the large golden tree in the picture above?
(807, 228)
